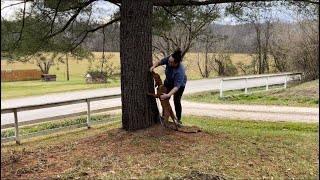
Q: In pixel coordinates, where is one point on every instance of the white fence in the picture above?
(244, 84)
(16, 123)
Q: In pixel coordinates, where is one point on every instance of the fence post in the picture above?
(267, 84)
(246, 88)
(221, 88)
(300, 76)
(285, 81)
(88, 114)
(16, 126)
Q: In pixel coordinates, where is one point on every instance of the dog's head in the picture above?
(157, 79)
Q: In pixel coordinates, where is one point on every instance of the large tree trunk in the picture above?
(138, 110)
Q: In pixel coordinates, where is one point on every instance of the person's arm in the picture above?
(177, 84)
(163, 61)
(166, 96)
(155, 65)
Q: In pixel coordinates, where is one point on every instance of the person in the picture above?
(175, 81)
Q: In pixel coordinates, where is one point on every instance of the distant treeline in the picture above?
(240, 38)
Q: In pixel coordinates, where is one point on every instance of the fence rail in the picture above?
(16, 123)
(267, 81)
(15, 110)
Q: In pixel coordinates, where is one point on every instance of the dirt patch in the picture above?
(197, 175)
(103, 153)
(184, 129)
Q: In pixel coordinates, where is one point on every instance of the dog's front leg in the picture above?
(153, 95)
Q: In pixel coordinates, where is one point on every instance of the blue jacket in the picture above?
(174, 76)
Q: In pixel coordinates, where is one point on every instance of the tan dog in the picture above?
(167, 110)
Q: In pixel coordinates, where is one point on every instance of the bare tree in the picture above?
(207, 44)
(44, 62)
(180, 26)
(305, 53)
(295, 46)
(260, 17)
(279, 47)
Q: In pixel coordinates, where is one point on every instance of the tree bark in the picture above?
(138, 110)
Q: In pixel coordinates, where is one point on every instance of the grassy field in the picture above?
(306, 94)
(78, 71)
(225, 148)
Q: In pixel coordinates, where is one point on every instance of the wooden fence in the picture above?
(20, 75)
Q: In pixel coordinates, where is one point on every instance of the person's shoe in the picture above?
(179, 123)
(161, 120)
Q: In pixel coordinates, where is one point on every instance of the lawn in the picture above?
(78, 71)
(225, 148)
(305, 94)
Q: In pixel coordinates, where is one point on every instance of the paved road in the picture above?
(189, 108)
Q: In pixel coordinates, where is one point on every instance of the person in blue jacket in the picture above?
(175, 81)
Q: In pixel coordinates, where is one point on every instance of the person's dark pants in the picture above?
(176, 99)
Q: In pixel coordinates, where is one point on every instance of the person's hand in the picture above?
(164, 96)
(151, 69)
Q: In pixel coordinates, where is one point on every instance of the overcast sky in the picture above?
(102, 10)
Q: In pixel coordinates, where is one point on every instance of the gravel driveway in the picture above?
(252, 112)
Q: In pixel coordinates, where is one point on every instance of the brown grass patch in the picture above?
(162, 153)
(103, 154)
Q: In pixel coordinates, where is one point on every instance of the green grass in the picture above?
(306, 94)
(7, 133)
(238, 149)
(31, 88)
(247, 127)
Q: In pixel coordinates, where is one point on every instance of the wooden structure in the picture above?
(48, 77)
(20, 75)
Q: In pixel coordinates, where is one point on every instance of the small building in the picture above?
(88, 78)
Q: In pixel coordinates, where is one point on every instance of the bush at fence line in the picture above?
(101, 77)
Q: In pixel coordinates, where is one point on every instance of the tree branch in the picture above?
(206, 2)
(55, 15)
(22, 27)
(73, 17)
(11, 5)
(203, 2)
(95, 29)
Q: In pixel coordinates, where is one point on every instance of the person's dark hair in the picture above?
(177, 55)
